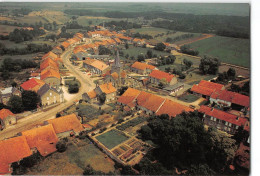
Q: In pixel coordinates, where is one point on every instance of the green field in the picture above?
(231, 50)
(135, 51)
(112, 138)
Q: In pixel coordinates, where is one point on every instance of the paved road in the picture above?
(38, 118)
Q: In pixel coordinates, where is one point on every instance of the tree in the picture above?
(30, 100)
(14, 84)
(90, 171)
(209, 65)
(102, 50)
(231, 73)
(160, 47)
(61, 146)
(5, 74)
(240, 135)
(126, 46)
(140, 58)
(246, 88)
(200, 169)
(15, 103)
(235, 88)
(127, 170)
(54, 23)
(167, 69)
(149, 54)
(63, 29)
(102, 98)
(145, 132)
(73, 88)
(187, 63)
(122, 90)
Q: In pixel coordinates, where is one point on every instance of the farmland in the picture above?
(112, 138)
(231, 50)
(6, 29)
(135, 51)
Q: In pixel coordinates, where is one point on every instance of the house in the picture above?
(65, 45)
(230, 99)
(142, 68)
(206, 88)
(7, 118)
(222, 120)
(50, 95)
(80, 37)
(128, 97)
(12, 150)
(156, 76)
(43, 139)
(108, 89)
(172, 89)
(95, 66)
(57, 50)
(66, 125)
(7, 93)
(51, 77)
(138, 42)
(49, 55)
(90, 96)
(49, 63)
(32, 84)
(172, 108)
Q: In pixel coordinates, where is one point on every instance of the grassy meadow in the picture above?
(231, 50)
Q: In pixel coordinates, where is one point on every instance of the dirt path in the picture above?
(188, 41)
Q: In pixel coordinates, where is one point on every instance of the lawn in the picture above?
(195, 77)
(135, 51)
(179, 60)
(112, 138)
(189, 98)
(88, 111)
(5, 29)
(231, 50)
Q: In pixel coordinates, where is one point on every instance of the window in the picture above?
(215, 119)
(230, 124)
(48, 98)
(225, 128)
(211, 118)
(226, 123)
(50, 94)
(237, 127)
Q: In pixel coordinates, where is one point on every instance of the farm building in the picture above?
(222, 120)
(66, 125)
(142, 68)
(95, 66)
(51, 77)
(156, 76)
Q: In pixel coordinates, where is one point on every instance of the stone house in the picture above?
(90, 97)
(108, 89)
(50, 95)
(95, 66)
(7, 118)
(142, 68)
(51, 77)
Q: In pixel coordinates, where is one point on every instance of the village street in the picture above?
(39, 117)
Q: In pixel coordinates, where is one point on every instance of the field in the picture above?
(73, 161)
(135, 51)
(195, 77)
(6, 29)
(231, 50)
(86, 20)
(112, 138)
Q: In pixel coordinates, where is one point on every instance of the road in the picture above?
(39, 117)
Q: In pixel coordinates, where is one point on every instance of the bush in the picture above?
(61, 146)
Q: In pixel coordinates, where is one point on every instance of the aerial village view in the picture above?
(124, 88)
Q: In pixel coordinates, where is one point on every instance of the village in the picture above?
(87, 89)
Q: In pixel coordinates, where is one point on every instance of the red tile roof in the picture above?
(65, 44)
(223, 115)
(49, 54)
(150, 101)
(48, 73)
(32, 84)
(43, 138)
(12, 150)
(157, 74)
(128, 96)
(5, 113)
(172, 108)
(142, 66)
(48, 62)
(92, 94)
(211, 85)
(66, 123)
(202, 90)
(107, 88)
(232, 97)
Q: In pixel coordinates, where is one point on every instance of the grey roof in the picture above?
(81, 55)
(172, 87)
(43, 90)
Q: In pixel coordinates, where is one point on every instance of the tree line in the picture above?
(178, 38)
(121, 25)
(21, 35)
(30, 48)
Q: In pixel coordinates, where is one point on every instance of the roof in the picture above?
(32, 84)
(223, 115)
(160, 75)
(66, 123)
(92, 94)
(65, 44)
(211, 85)
(7, 90)
(107, 88)
(45, 88)
(96, 63)
(114, 75)
(172, 108)
(149, 101)
(48, 62)
(47, 73)
(232, 97)
(43, 138)
(49, 54)
(5, 113)
(142, 66)
(128, 96)
(12, 150)
(202, 90)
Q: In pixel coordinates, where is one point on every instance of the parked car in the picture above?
(192, 106)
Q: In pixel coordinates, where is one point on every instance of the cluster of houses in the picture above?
(42, 139)
(217, 95)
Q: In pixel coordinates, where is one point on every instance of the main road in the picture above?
(39, 117)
